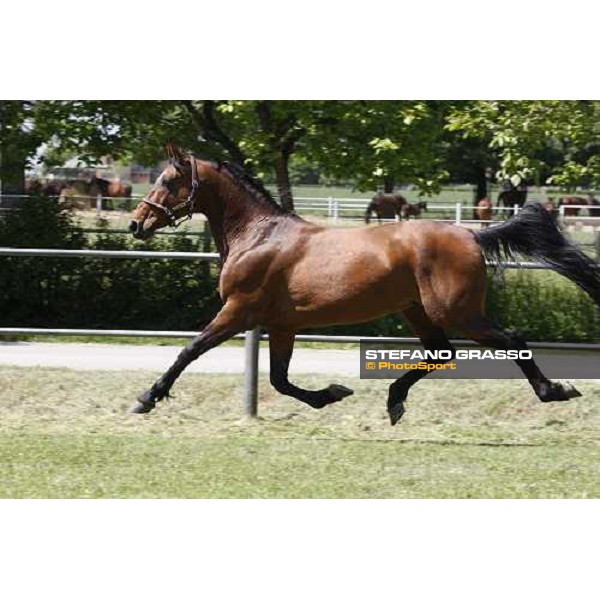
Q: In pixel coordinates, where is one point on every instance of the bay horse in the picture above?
(283, 274)
(385, 206)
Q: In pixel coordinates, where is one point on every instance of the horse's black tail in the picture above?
(533, 233)
(368, 213)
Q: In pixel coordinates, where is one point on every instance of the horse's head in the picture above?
(172, 199)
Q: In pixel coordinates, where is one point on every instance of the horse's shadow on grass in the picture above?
(425, 442)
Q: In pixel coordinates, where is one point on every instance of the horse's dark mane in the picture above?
(256, 189)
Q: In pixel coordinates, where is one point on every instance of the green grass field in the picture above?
(67, 434)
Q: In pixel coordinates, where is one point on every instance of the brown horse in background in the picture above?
(484, 211)
(44, 187)
(570, 203)
(283, 274)
(385, 206)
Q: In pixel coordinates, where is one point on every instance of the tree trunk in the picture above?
(12, 174)
(388, 185)
(284, 187)
(481, 185)
(481, 188)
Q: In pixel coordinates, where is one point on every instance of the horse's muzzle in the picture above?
(136, 228)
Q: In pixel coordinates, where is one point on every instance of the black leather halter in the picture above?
(188, 204)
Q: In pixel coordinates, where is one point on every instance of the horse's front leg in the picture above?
(281, 346)
(224, 326)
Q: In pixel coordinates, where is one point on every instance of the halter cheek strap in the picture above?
(188, 204)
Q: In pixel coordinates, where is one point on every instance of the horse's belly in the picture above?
(351, 292)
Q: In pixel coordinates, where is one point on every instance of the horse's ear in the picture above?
(176, 154)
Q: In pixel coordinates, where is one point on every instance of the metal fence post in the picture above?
(251, 345)
(458, 214)
(99, 204)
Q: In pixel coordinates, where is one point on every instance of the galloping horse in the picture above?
(385, 206)
(413, 210)
(283, 274)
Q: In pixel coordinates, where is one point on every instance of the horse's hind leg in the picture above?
(433, 338)
(486, 334)
(281, 346)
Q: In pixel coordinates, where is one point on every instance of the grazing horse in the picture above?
(82, 193)
(570, 203)
(283, 274)
(385, 206)
(47, 187)
(413, 210)
(484, 211)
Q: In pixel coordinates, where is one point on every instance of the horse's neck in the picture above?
(232, 215)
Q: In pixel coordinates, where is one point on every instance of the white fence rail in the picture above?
(351, 210)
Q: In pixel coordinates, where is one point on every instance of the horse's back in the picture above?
(378, 270)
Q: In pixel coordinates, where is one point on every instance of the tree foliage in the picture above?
(524, 134)
(370, 143)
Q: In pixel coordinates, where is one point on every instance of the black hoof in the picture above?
(338, 392)
(396, 411)
(145, 403)
(140, 408)
(559, 392)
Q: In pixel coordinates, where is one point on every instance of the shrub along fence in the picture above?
(169, 295)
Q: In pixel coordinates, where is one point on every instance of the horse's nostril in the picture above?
(133, 226)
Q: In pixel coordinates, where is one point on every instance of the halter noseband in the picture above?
(188, 204)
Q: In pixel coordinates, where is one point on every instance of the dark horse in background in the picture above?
(413, 210)
(385, 206)
(510, 195)
(284, 274)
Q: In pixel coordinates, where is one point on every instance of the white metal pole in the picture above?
(458, 214)
(99, 204)
(251, 345)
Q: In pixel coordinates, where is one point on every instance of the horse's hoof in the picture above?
(140, 408)
(339, 391)
(396, 411)
(560, 391)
